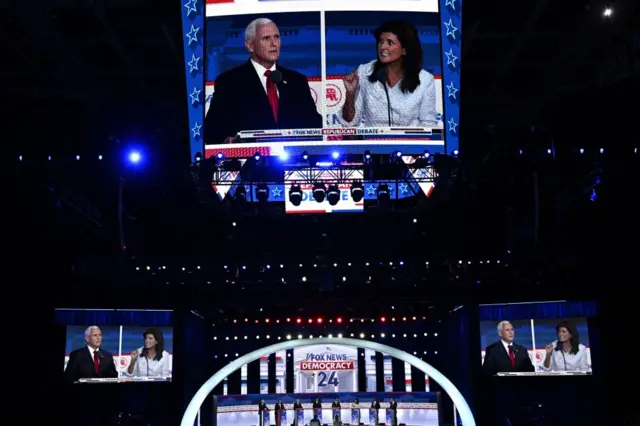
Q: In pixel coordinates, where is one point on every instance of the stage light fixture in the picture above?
(333, 194)
(256, 156)
(305, 156)
(319, 192)
(383, 193)
(220, 156)
(198, 157)
(295, 194)
(262, 192)
(319, 320)
(357, 191)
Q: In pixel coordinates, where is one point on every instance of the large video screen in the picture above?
(125, 353)
(283, 78)
(536, 346)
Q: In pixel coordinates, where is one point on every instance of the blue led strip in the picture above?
(193, 39)
(451, 30)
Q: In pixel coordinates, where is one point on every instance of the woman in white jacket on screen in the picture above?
(566, 353)
(151, 360)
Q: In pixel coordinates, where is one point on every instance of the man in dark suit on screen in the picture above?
(505, 356)
(90, 361)
(260, 94)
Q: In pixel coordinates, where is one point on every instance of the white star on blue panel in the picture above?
(196, 129)
(404, 188)
(195, 95)
(451, 58)
(193, 63)
(451, 89)
(192, 35)
(371, 190)
(277, 192)
(451, 29)
(191, 6)
(451, 4)
(452, 125)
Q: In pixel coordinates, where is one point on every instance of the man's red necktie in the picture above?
(512, 357)
(272, 94)
(96, 361)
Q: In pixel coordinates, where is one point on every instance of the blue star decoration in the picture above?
(451, 29)
(451, 4)
(196, 129)
(371, 190)
(451, 90)
(195, 95)
(193, 63)
(403, 188)
(191, 7)
(277, 192)
(452, 125)
(451, 58)
(192, 35)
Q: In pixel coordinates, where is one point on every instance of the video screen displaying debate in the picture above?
(274, 76)
(104, 354)
(536, 346)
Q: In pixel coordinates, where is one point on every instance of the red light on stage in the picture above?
(235, 321)
(246, 320)
(393, 319)
(404, 318)
(319, 320)
(339, 320)
(288, 319)
(298, 320)
(266, 320)
(257, 322)
(277, 321)
(382, 319)
(414, 318)
(310, 320)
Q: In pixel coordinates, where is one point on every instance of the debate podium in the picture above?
(355, 416)
(264, 418)
(373, 416)
(391, 417)
(299, 417)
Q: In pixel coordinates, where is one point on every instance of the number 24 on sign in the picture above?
(329, 378)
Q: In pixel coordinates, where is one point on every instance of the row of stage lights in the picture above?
(289, 355)
(136, 156)
(321, 321)
(268, 266)
(331, 336)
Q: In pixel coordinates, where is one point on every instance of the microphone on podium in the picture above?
(382, 75)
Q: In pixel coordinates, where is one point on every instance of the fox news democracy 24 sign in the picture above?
(326, 361)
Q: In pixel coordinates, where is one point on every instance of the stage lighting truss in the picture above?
(418, 172)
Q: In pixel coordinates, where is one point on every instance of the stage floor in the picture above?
(417, 417)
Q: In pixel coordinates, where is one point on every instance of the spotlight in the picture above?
(220, 156)
(295, 194)
(319, 191)
(357, 191)
(333, 194)
(335, 155)
(198, 157)
(256, 156)
(427, 154)
(367, 156)
(305, 156)
(384, 193)
(262, 192)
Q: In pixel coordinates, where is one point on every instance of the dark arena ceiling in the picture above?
(78, 75)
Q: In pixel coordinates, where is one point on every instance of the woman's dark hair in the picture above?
(157, 333)
(575, 336)
(411, 62)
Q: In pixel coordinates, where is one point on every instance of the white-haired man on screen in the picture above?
(260, 94)
(90, 361)
(506, 356)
